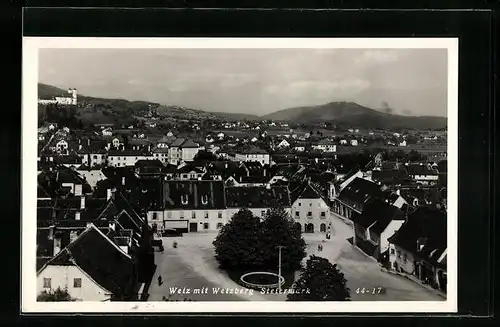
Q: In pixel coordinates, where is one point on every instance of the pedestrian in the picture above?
(160, 281)
(319, 247)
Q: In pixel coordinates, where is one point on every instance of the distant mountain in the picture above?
(236, 116)
(339, 113)
(353, 114)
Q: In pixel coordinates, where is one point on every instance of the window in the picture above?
(184, 199)
(263, 213)
(193, 214)
(204, 199)
(405, 257)
(310, 204)
(219, 214)
(300, 204)
(47, 283)
(205, 226)
(297, 214)
(323, 215)
(206, 214)
(77, 282)
(392, 251)
(309, 214)
(219, 225)
(181, 214)
(95, 157)
(169, 214)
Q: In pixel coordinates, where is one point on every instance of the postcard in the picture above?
(219, 175)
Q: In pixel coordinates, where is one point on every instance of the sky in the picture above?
(256, 81)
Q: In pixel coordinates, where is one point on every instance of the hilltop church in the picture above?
(65, 100)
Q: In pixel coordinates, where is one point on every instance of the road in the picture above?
(192, 266)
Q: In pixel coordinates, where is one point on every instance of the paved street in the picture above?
(192, 266)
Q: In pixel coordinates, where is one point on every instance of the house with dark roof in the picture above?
(252, 153)
(423, 174)
(189, 172)
(161, 153)
(419, 247)
(189, 206)
(250, 174)
(92, 268)
(257, 199)
(325, 145)
(372, 228)
(354, 196)
(310, 209)
(127, 158)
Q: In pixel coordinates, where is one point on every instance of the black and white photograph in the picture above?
(212, 175)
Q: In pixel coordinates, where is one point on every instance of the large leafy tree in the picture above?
(55, 295)
(278, 229)
(237, 243)
(320, 281)
(249, 244)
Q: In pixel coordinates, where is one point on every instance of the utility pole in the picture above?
(279, 267)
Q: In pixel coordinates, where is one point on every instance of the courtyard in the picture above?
(190, 271)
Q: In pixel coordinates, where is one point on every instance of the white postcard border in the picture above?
(31, 45)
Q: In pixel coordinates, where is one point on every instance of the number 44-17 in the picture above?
(372, 290)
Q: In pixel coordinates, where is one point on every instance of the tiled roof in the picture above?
(167, 139)
(359, 191)
(377, 214)
(102, 260)
(189, 144)
(389, 175)
(427, 225)
(191, 195)
(119, 209)
(253, 150)
(160, 150)
(420, 170)
(257, 197)
(177, 142)
(148, 163)
(127, 153)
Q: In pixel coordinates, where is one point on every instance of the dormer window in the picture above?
(184, 199)
(204, 199)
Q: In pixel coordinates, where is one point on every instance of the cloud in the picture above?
(236, 80)
(379, 56)
(320, 88)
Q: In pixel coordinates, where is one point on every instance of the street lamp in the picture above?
(279, 267)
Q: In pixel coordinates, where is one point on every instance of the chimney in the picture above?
(225, 166)
(398, 192)
(79, 147)
(77, 215)
(112, 225)
(57, 245)
(108, 194)
(88, 141)
(123, 180)
(82, 202)
(51, 233)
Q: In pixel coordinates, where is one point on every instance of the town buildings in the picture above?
(115, 191)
